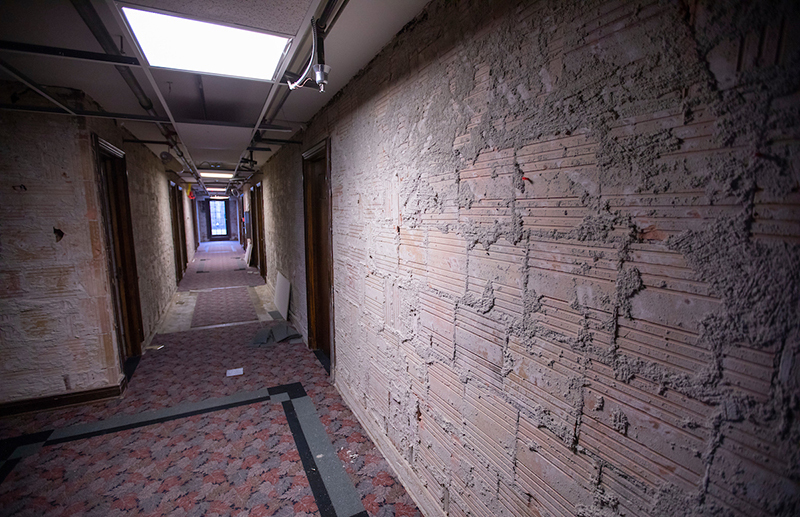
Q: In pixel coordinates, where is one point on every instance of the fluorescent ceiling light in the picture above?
(212, 174)
(183, 44)
(218, 197)
(212, 189)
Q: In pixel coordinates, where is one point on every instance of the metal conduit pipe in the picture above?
(92, 20)
(325, 23)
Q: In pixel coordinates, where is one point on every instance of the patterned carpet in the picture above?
(219, 264)
(223, 306)
(237, 462)
(229, 460)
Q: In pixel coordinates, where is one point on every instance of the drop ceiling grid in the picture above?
(272, 16)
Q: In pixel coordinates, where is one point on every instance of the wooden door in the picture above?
(113, 183)
(178, 230)
(319, 256)
(259, 253)
(195, 223)
(242, 235)
(182, 229)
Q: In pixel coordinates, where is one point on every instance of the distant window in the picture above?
(218, 223)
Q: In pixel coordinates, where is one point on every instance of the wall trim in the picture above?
(16, 407)
(412, 483)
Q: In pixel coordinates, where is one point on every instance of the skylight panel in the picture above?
(183, 44)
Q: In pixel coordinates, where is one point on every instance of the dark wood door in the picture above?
(113, 183)
(178, 230)
(182, 228)
(259, 254)
(240, 221)
(319, 256)
(195, 223)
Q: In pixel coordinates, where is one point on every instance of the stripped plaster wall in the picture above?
(56, 314)
(567, 261)
(284, 233)
(191, 245)
(152, 225)
(233, 217)
(202, 220)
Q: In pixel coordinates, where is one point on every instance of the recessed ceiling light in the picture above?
(212, 174)
(183, 44)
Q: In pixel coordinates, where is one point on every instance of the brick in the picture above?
(556, 478)
(491, 425)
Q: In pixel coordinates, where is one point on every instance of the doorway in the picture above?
(259, 253)
(112, 177)
(195, 222)
(178, 230)
(319, 256)
(219, 228)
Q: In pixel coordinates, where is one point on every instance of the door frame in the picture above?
(120, 250)
(259, 251)
(321, 150)
(195, 222)
(227, 236)
(178, 230)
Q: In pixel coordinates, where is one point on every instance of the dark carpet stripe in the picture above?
(324, 504)
(7, 467)
(159, 420)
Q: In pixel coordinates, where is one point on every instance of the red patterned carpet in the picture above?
(219, 306)
(241, 460)
(219, 264)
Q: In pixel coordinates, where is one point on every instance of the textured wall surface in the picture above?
(191, 245)
(284, 231)
(56, 332)
(202, 221)
(56, 314)
(152, 226)
(566, 256)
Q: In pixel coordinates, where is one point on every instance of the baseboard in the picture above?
(66, 399)
(412, 483)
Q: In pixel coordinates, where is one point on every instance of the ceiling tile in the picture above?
(271, 16)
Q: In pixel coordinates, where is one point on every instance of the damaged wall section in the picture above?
(284, 233)
(56, 314)
(566, 259)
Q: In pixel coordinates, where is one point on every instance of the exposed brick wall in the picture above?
(233, 218)
(566, 249)
(202, 220)
(152, 226)
(56, 314)
(284, 231)
(56, 332)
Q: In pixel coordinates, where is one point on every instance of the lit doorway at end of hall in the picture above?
(218, 219)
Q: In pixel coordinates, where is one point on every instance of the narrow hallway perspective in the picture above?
(187, 439)
(452, 258)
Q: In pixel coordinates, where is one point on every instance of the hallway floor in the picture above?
(186, 439)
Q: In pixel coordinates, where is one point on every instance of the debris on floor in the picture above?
(276, 334)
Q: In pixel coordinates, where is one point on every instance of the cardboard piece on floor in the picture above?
(276, 334)
(247, 253)
(282, 296)
(235, 372)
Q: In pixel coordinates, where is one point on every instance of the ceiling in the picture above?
(211, 121)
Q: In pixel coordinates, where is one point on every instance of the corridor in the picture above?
(188, 439)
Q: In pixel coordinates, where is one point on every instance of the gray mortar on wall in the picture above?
(437, 125)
